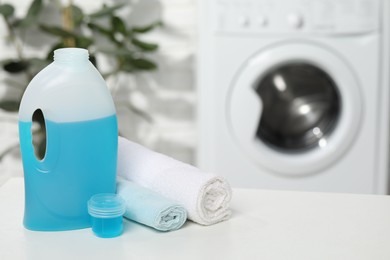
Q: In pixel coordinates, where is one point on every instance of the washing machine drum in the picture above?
(301, 106)
(294, 108)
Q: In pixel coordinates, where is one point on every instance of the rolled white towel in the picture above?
(205, 196)
(150, 208)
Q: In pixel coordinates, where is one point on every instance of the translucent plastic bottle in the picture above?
(81, 138)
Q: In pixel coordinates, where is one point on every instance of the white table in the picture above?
(265, 225)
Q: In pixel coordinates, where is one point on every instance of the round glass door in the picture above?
(301, 106)
(294, 108)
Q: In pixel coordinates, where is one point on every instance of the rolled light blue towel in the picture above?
(150, 208)
(205, 196)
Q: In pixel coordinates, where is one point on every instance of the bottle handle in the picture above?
(49, 160)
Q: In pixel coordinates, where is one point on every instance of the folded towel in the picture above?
(205, 196)
(150, 208)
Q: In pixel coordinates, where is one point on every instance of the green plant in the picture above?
(78, 28)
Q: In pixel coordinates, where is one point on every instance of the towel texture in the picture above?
(205, 196)
(150, 208)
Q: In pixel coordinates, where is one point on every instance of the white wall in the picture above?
(167, 95)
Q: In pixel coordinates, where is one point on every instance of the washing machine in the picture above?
(294, 94)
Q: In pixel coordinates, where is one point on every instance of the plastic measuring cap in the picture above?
(106, 210)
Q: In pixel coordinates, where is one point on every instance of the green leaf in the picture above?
(24, 23)
(104, 32)
(83, 42)
(35, 8)
(15, 66)
(147, 28)
(144, 45)
(143, 64)
(118, 25)
(7, 10)
(32, 14)
(57, 31)
(100, 29)
(77, 15)
(105, 11)
(9, 105)
(127, 67)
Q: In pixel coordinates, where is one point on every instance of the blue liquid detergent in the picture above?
(80, 161)
(107, 227)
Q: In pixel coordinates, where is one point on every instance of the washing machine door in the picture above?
(294, 108)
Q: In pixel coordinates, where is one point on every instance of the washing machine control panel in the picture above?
(304, 16)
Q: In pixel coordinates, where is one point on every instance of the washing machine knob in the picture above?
(243, 21)
(261, 21)
(295, 20)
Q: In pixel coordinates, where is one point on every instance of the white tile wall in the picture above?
(166, 95)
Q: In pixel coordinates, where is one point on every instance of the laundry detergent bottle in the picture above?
(81, 142)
